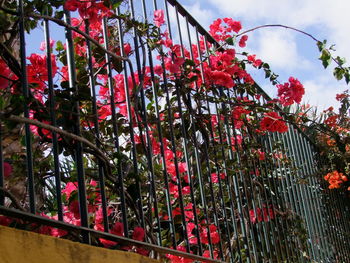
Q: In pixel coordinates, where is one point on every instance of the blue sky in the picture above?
(288, 53)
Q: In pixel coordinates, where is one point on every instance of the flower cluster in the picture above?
(261, 215)
(272, 122)
(290, 92)
(335, 179)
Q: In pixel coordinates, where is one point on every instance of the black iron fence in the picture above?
(110, 139)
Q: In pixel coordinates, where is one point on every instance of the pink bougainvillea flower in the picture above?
(43, 45)
(206, 254)
(178, 259)
(72, 5)
(243, 40)
(215, 177)
(272, 122)
(290, 92)
(260, 215)
(7, 169)
(6, 75)
(256, 62)
(221, 78)
(233, 25)
(139, 234)
(37, 70)
(70, 187)
(118, 230)
(5, 221)
(214, 235)
(74, 208)
(331, 121)
(159, 17)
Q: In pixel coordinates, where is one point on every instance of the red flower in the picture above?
(290, 92)
(70, 187)
(273, 122)
(256, 62)
(206, 254)
(331, 121)
(178, 259)
(261, 155)
(233, 25)
(37, 70)
(7, 169)
(5, 75)
(118, 230)
(74, 208)
(260, 215)
(159, 17)
(139, 234)
(72, 5)
(242, 41)
(214, 235)
(5, 221)
(341, 96)
(221, 78)
(215, 178)
(43, 45)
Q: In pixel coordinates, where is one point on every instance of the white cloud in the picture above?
(205, 16)
(279, 49)
(321, 92)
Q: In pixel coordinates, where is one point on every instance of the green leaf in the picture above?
(341, 61)
(347, 77)
(231, 40)
(59, 46)
(321, 45)
(325, 58)
(116, 3)
(338, 73)
(117, 64)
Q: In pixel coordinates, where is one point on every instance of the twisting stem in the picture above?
(98, 153)
(291, 28)
(279, 25)
(13, 199)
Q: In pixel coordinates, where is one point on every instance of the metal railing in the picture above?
(110, 140)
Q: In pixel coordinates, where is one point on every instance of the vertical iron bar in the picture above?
(303, 165)
(145, 121)
(160, 135)
(196, 152)
(287, 198)
(229, 186)
(53, 122)
(247, 183)
(130, 119)
(311, 189)
(78, 147)
(235, 178)
(115, 130)
(185, 143)
(25, 90)
(212, 141)
(172, 137)
(2, 197)
(96, 129)
(228, 181)
(300, 191)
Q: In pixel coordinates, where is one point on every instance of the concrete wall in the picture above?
(18, 246)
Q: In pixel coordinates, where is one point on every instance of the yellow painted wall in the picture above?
(17, 246)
